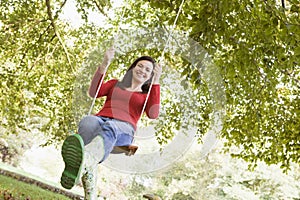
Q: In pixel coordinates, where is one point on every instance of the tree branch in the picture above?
(60, 9)
(100, 8)
(282, 3)
(56, 32)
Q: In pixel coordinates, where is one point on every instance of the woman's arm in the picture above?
(153, 104)
(95, 82)
(101, 69)
(157, 73)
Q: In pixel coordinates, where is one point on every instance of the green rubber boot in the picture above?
(73, 154)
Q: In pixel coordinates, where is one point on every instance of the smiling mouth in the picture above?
(140, 74)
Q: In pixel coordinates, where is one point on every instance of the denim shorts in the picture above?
(114, 132)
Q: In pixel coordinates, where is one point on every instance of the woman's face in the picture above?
(142, 71)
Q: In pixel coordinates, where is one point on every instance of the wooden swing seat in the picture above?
(128, 150)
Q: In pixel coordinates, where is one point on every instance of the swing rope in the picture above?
(106, 67)
(160, 59)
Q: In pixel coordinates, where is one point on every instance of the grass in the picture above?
(16, 184)
(12, 189)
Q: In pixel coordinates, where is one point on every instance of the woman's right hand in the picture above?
(108, 56)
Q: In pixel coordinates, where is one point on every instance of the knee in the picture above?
(88, 125)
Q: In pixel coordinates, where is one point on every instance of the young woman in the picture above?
(114, 124)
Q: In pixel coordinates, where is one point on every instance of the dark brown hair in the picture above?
(127, 79)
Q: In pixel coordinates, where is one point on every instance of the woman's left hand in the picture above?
(157, 73)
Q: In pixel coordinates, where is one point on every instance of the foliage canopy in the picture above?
(255, 45)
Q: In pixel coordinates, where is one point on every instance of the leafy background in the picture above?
(255, 45)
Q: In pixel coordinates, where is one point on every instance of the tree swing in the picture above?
(131, 149)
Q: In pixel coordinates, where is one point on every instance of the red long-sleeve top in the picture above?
(126, 105)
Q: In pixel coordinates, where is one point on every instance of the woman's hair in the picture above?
(127, 79)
